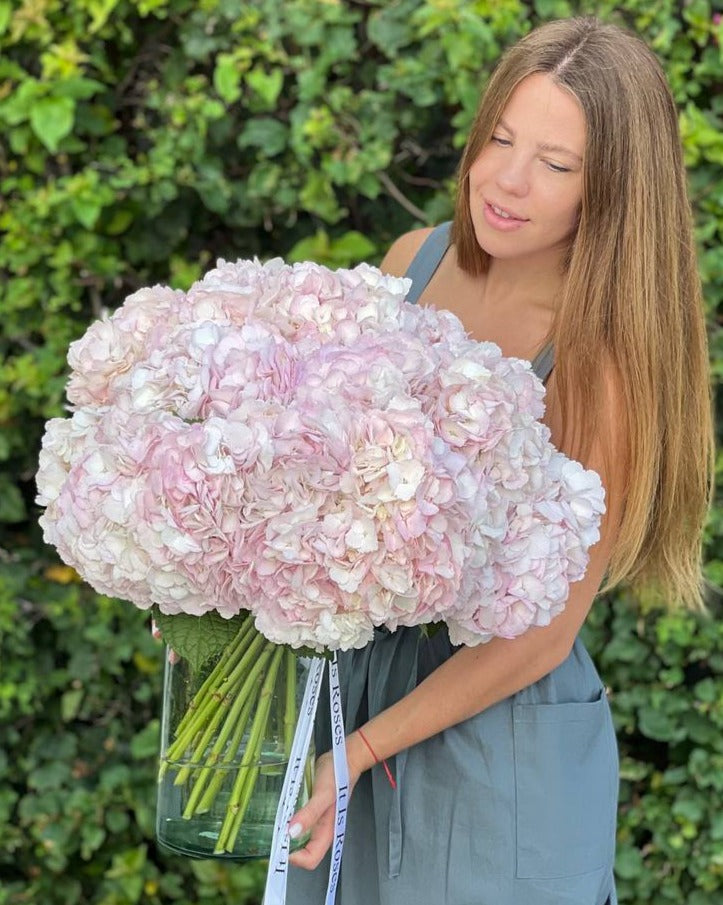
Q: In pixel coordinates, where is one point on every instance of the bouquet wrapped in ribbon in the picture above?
(297, 455)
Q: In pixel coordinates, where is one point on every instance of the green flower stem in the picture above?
(209, 780)
(308, 777)
(234, 816)
(216, 685)
(220, 776)
(194, 723)
(246, 778)
(227, 661)
(213, 707)
(290, 703)
(213, 711)
(248, 769)
(246, 698)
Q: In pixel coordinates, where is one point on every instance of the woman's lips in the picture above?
(505, 224)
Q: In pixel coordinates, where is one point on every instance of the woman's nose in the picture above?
(513, 176)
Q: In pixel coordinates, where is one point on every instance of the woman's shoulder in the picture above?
(402, 251)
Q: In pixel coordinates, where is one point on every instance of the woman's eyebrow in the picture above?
(559, 149)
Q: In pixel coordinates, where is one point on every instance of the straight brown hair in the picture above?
(631, 297)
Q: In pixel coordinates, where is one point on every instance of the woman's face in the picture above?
(526, 184)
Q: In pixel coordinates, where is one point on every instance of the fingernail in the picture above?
(295, 830)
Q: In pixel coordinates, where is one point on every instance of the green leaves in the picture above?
(702, 136)
(350, 249)
(197, 638)
(666, 700)
(78, 760)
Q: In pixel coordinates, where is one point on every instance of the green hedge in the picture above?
(141, 140)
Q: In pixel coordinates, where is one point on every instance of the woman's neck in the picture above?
(532, 284)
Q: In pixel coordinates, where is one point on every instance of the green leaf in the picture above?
(51, 119)
(659, 725)
(553, 9)
(127, 872)
(101, 10)
(87, 210)
(688, 809)
(14, 110)
(92, 837)
(146, 743)
(352, 247)
(628, 863)
(197, 638)
(116, 777)
(78, 88)
(117, 821)
(390, 27)
(317, 196)
(227, 78)
(5, 14)
(267, 85)
(12, 505)
(266, 133)
(183, 273)
(119, 222)
(70, 704)
(346, 251)
(146, 7)
(50, 776)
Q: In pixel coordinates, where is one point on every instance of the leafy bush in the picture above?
(79, 703)
(666, 694)
(141, 140)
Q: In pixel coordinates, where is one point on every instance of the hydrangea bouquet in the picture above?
(297, 455)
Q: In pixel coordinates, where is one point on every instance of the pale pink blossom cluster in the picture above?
(305, 444)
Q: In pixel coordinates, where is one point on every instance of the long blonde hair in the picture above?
(632, 294)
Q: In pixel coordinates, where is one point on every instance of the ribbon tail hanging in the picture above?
(341, 778)
(275, 891)
(276, 878)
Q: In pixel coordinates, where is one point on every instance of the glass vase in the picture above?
(226, 734)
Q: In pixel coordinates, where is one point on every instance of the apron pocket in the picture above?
(566, 788)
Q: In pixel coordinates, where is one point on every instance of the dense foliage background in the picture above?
(139, 141)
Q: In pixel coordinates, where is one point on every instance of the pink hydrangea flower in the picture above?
(304, 444)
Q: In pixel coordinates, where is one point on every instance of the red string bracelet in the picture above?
(392, 783)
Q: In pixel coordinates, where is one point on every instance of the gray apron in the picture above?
(514, 806)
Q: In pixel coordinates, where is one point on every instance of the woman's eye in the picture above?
(556, 168)
(499, 140)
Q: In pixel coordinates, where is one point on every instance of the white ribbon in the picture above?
(341, 777)
(275, 892)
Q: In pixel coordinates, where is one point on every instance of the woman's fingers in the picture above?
(315, 808)
(322, 831)
(316, 817)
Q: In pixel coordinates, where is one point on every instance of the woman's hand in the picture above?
(317, 815)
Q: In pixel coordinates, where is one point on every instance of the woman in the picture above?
(572, 231)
